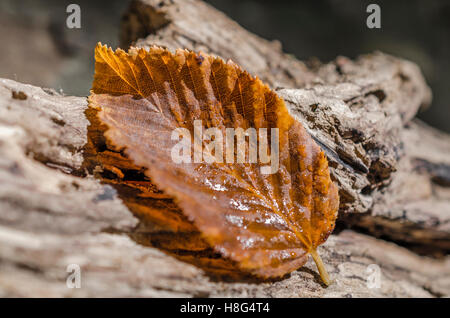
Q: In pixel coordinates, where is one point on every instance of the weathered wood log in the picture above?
(356, 110)
(50, 219)
(53, 214)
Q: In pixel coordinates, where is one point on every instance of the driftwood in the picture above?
(393, 173)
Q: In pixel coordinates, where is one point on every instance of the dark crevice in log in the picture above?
(398, 231)
(439, 172)
(50, 219)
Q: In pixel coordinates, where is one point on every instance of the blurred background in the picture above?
(38, 48)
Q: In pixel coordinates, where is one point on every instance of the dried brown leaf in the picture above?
(266, 224)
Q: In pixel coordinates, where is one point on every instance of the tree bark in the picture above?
(393, 173)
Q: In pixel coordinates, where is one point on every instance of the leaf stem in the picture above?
(321, 267)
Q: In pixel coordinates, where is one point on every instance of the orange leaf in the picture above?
(265, 223)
